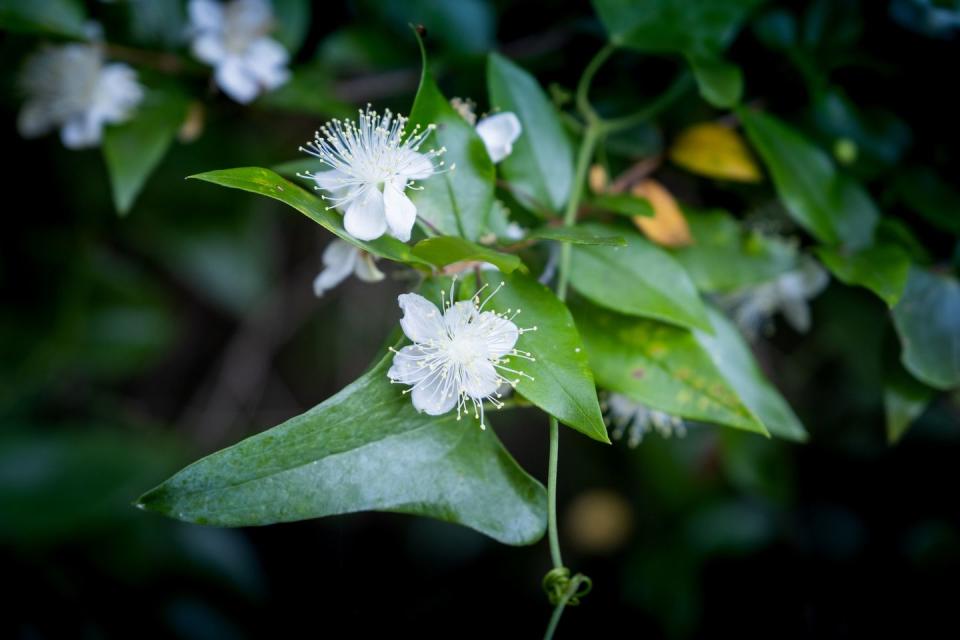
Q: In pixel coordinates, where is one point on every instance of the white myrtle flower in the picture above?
(635, 419)
(753, 308)
(498, 133)
(340, 259)
(232, 38)
(372, 163)
(459, 355)
(73, 88)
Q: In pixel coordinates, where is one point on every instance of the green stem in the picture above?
(590, 137)
(573, 591)
(552, 494)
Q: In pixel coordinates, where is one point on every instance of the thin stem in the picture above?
(570, 216)
(552, 494)
(570, 593)
(583, 86)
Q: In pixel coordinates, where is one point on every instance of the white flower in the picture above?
(71, 87)
(232, 38)
(372, 164)
(754, 307)
(498, 133)
(624, 413)
(340, 259)
(459, 355)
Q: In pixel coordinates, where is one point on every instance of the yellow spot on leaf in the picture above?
(667, 227)
(715, 151)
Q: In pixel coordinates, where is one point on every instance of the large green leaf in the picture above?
(904, 399)
(711, 378)
(267, 183)
(457, 201)
(560, 381)
(624, 204)
(638, 279)
(443, 250)
(293, 23)
(927, 319)
(832, 207)
(366, 448)
(931, 197)
(882, 268)
(697, 29)
(578, 235)
(723, 257)
(541, 164)
(55, 17)
(132, 150)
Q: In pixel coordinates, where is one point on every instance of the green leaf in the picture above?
(55, 17)
(456, 201)
(541, 164)
(904, 399)
(623, 204)
(882, 268)
(562, 383)
(578, 235)
(366, 448)
(724, 257)
(833, 208)
(638, 279)
(309, 90)
(293, 23)
(443, 250)
(927, 319)
(132, 150)
(720, 82)
(267, 183)
(922, 191)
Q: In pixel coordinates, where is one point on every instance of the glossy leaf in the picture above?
(625, 204)
(639, 279)
(904, 399)
(444, 250)
(457, 201)
(713, 150)
(832, 207)
(541, 164)
(55, 17)
(562, 383)
(293, 22)
(366, 448)
(922, 191)
(882, 268)
(578, 235)
(720, 82)
(724, 257)
(132, 150)
(667, 227)
(267, 183)
(927, 319)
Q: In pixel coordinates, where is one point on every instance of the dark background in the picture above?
(129, 347)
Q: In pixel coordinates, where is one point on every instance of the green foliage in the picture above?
(638, 279)
(904, 399)
(443, 250)
(365, 448)
(65, 18)
(927, 319)
(541, 165)
(623, 204)
(578, 235)
(882, 268)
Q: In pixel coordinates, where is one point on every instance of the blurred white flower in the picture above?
(753, 308)
(635, 419)
(498, 133)
(340, 259)
(372, 164)
(232, 38)
(73, 88)
(459, 355)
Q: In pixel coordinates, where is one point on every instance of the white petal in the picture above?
(332, 182)
(797, 313)
(233, 78)
(205, 14)
(209, 48)
(364, 218)
(434, 398)
(414, 166)
(366, 269)
(405, 368)
(421, 321)
(482, 380)
(401, 213)
(339, 260)
(500, 334)
(81, 132)
(458, 316)
(117, 94)
(498, 133)
(34, 120)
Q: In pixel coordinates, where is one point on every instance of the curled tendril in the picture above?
(560, 586)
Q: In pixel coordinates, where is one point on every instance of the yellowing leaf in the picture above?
(715, 151)
(598, 179)
(667, 227)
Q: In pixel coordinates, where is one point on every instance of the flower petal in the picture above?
(34, 119)
(406, 368)
(205, 14)
(339, 260)
(265, 60)
(498, 133)
(364, 218)
(81, 132)
(332, 182)
(401, 213)
(208, 47)
(500, 334)
(435, 396)
(414, 166)
(422, 321)
(481, 380)
(236, 82)
(366, 269)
